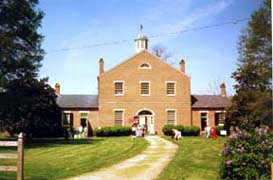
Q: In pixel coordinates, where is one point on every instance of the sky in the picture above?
(72, 30)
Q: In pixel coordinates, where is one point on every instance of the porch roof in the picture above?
(209, 101)
(77, 101)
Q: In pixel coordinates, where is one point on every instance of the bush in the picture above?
(218, 129)
(113, 131)
(167, 129)
(191, 131)
(186, 131)
(179, 127)
(247, 155)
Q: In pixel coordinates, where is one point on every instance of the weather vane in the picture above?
(141, 27)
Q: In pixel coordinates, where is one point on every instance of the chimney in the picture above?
(101, 66)
(57, 89)
(223, 90)
(182, 65)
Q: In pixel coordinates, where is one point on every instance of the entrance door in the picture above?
(204, 120)
(146, 118)
(151, 126)
(147, 121)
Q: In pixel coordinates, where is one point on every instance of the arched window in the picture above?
(145, 66)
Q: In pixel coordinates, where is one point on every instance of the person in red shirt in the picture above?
(213, 133)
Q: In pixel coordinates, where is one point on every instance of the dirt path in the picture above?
(146, 165)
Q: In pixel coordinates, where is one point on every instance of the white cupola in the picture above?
(141, 41)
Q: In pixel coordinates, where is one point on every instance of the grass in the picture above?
(58, 159)
(197, 158)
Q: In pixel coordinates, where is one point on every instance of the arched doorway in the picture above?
(146, 118)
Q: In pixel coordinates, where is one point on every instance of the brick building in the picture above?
(148, 87)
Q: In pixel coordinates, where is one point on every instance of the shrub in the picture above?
(218, 129)
(113, 131)
(179, 127)
(247, 155)
(167, 129)
(191, 131)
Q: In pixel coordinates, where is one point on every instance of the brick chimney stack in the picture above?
(223, 90)
(101, 66)
(57, 89)
(182, 65)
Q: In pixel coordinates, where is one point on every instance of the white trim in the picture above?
(219, 111)
(175, 118)
(166, 88)
(145, 109)
(67, 112)
(123, 87)
(84, 112)
(203, 112)
(150, 66)
(123, 114)
(150, 84)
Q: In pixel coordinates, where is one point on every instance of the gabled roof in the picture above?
(77, 101)
(143, 51)
(209, 101)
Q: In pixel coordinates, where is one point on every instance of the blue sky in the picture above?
(210, 54)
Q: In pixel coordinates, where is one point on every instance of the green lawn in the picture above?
(55, 159)
(197, 158)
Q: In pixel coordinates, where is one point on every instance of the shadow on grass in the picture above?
(53, 142)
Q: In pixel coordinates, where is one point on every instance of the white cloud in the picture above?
(182, 14)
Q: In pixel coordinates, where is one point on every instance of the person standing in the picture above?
(207, 130)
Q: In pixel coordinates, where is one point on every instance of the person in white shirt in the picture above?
(177, 134)
(207, 130)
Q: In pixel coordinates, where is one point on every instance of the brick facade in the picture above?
(132, 101)
(143, 67)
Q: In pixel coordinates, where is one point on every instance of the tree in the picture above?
(252, 103)
(29, 106)
(20, 45)
(162, 52)
(26, 104)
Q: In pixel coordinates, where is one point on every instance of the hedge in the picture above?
(113, 131)
(186, 130)
(191, 131)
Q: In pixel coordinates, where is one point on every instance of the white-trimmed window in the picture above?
(67, 118)
(204, 119)
(119, 117)
(145, 66)
(119, 88)
(219, 119)
(145, 88)
(170, 88)
(171, 116)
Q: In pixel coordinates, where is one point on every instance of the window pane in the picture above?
(171, 88)
(119, 88)
(219, 118)
(203, 116)
(118, 118)
(84, 115)
(171, 117)
(145, 88)
(144, 65)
